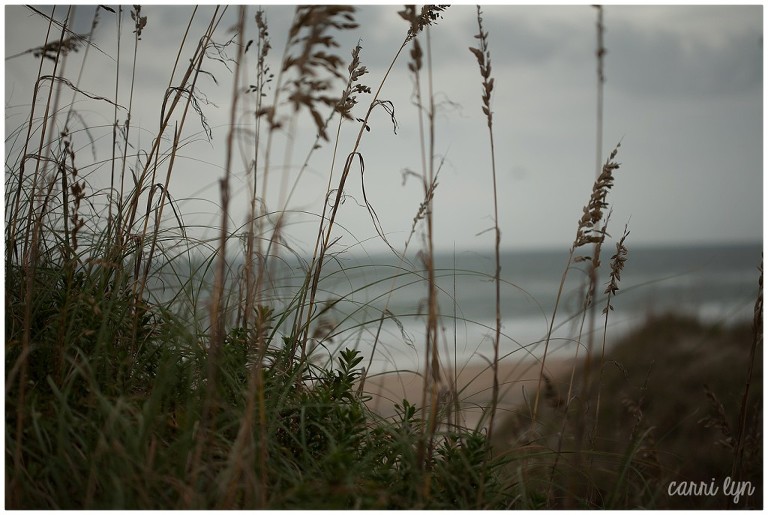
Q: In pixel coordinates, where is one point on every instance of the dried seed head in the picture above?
(416, 55)
(617, 264)
(483, 56)
(593, 211)
(308, 61)
(141, 21)
(349, 98)
(428, 15)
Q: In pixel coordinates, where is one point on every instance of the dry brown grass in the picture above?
(483, 55)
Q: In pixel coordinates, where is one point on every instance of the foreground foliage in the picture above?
(113, 429)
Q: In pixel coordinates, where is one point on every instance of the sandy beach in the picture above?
(518, 382)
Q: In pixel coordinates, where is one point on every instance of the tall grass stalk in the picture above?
(600, 54)
(588, 312)
(252, 305)
(585, 224)
(124, 232)
(207, 429)
(483, 56)
(30, 262)
(617, 265)
(111, 222)
(590, 305)
(426, 108)
(589, 232)
(239, 450)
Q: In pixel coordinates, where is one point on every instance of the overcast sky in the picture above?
(683, 93)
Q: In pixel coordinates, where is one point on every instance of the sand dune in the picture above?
(518, 382)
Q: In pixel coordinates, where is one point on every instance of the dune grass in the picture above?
(148, 367)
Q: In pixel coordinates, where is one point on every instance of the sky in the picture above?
(683, 94)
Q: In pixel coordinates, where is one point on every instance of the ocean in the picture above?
(381, 301)
(716, 284)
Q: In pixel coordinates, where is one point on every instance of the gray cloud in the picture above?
(652, 63)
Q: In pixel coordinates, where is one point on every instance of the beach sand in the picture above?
(518, 382)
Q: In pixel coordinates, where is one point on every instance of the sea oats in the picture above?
(593, 211)
(617, 265)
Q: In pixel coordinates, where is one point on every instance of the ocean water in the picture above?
(382, 295)
(378, 303)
